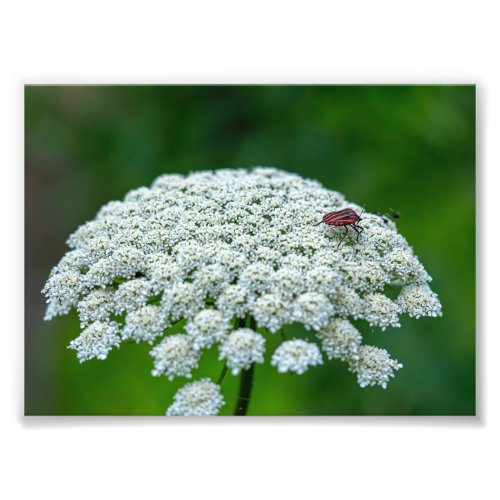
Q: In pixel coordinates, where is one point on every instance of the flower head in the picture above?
(96, 341)
(374, 366)
(145, 324)
(419, 300)
(241, 348)
(197, 399)
(340, 340)
(207, 327)
(175, 356)
(206, 249)
(296, 356)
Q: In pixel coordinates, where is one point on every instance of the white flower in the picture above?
(405, 266)
(241, 348)
(365, 275)
(347, 302)
(211, 279)
(323, 279)
(419, 300)
(96, 341)
(145, 323)
(182, 300)
(374, 366)
(97, 305)
(175, 356)
(190, 255)
(340, 340)
(313, 310)
(296, 356)
(62, 291)
(271, 311)
(101, 273)
(126, 261)
(133, 294)
(197, 399)
(289, 280)
(256, 277)
(233, 235)
(206, 328)
(380, 310)
(211, 247)
(233, 300)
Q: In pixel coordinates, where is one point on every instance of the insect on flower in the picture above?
(394, 214)
(344, 218)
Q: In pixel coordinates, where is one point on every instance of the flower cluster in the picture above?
(296, 356)
(215, 247)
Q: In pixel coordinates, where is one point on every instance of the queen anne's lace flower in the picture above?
(145, 323)
(242, 348)
(234, 300)
(175, 356)
(97, 305)
(419, 300)
(207, 327)
(380, 310)
(197, 399)
(296, 356)
(374, 366)
(96, 341)
(313, 310)
(132, 294)
(182, 300)
(211, 247)
(340, 340)
(271, 311)
(62, 291)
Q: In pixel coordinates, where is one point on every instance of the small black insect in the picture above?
(394, 214)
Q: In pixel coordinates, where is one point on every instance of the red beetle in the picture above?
(345, 218)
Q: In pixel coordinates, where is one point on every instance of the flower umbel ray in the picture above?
(217, 248)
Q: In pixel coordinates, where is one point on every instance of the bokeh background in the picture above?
(409, 148)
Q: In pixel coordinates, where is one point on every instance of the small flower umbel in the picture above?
(235, 256)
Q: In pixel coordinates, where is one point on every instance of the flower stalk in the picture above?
(246, 380)
(246, 383)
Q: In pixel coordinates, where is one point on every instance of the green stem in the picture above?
(246, 383)
(222, 375)
(246, 380)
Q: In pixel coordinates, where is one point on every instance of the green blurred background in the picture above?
(410, 148)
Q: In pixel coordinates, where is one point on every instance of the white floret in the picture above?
(96, 341)
(145, 324)
(97, 305)
(207, 328)
(197, 399)
(132, 294)
(374, 366)
(381, 311)
(419, 300)
(296, 356)
(313, 310)
(272, 311)
(175, 356)
(182, 300)
(241, 349)
(340, 340)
